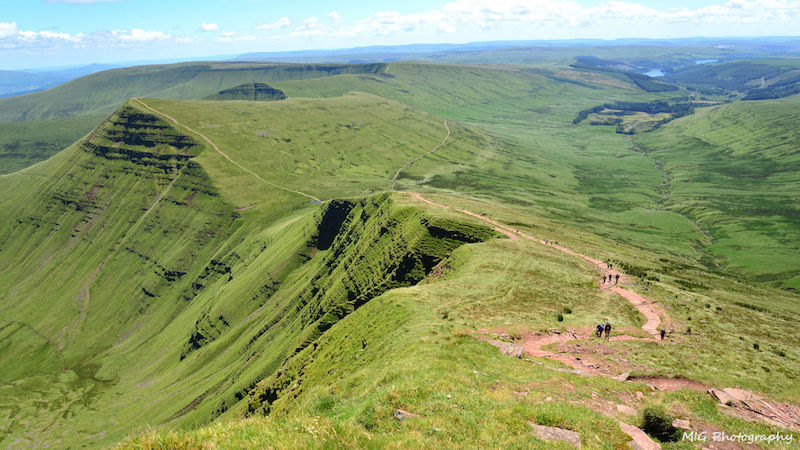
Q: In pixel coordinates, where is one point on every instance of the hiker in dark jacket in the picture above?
(599, 331)
(617, 279)
(604, 279)
(608, 330)
(663, 333)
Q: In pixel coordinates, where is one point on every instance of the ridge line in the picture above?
(436, 147)
(224, 155)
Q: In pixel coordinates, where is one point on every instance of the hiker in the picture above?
(610, 266)
(608, 330)
(617, 277)
(663, 333)
(599, 331)
(604, 279)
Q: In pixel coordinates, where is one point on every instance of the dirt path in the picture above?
(651, 310)
(224, 155)
(396, 174)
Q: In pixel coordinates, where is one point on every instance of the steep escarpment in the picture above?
(96, 246)
(143, 297)
(376, 247)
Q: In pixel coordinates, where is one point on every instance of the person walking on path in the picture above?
(604, 279)
(617, 279)
(608, 330)
(663, 333)
(599, 331)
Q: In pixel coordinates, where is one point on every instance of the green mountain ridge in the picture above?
(131, 202)
(73, 109)
(171, 280)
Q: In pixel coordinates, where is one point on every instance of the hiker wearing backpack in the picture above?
(608, 330)
(617, 279)
(599, 331)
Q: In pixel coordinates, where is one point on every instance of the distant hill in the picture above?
(104, 91)
(14, 83)
(756, 79)
(250, 91)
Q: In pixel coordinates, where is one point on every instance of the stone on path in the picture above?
(723, 397)
(623, 376)
(682, 424)
(556, 434)
(509, 348)
(401, 414)
(641, 441)
(625, 409)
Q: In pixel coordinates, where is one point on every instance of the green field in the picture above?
(241, 273)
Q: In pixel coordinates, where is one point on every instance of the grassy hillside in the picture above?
(752, 79)
(588, 176)
(23, 144)
(734, 170)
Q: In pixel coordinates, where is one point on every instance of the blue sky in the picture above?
(46, 33)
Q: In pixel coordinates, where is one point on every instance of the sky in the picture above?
(52, 33)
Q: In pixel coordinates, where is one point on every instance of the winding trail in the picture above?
(224, 155)
(533, 343)
(651, 310)
(396, 174)
(752, 408)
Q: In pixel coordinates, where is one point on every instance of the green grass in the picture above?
(25, 143)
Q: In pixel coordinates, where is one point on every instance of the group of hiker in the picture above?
(603, 328)
(610, 277)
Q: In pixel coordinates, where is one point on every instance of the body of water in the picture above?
(705, 61)
(654, 73)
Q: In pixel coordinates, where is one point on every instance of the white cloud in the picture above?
(334, 15)
(479, 15)
(239, 38)
(209, 26)
(50, 35)
(307, 33)
(228, 33)
(283, 22)
(139, 35)
(8, 30)
(311, 22)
